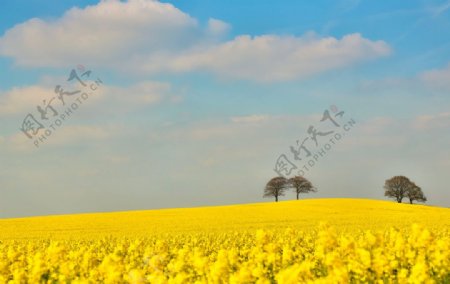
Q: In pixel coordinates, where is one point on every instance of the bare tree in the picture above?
(276, 187)
(415, 193)
(301, 185)
(397, 187)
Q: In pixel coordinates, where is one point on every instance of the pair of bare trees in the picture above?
(400, 187)
(277, 186)
(397, 187)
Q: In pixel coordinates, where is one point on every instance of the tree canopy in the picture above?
(301, 185)
(276, 187)
(400, 187)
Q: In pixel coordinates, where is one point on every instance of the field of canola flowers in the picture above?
(307, 241)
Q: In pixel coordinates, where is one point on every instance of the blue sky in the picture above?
(199, 98)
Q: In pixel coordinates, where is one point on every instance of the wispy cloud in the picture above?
(440, 9)
(437, 78)
(249, 119)
(434, 79)
(433, 121)
(64, 136)
(23, 99)
(271, 58)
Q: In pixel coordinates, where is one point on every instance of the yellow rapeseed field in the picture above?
(307, 241)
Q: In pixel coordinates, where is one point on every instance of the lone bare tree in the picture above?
(415, 193)
(301, 185)
(398, 187)
(276, 187)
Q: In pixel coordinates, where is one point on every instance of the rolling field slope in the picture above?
(344, 214)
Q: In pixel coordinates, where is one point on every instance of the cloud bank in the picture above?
(149, 36)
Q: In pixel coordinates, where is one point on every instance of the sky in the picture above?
(139, 104)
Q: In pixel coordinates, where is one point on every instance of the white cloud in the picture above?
(118, 159)
(386, 84)
(217, 27)
(256, 125)
(249, 119)
(139, 94)
(433, 121)
(145, 35)
(390, 133)
(24, 99)
(377, 125)
(64, 135)
(376, 133)
(437, 78)
(426, 81)
(277, 58)
(99, 33)
(72, 133)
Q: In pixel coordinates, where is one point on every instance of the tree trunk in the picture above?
(410, 201)
(297, 195)
(276, 198)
